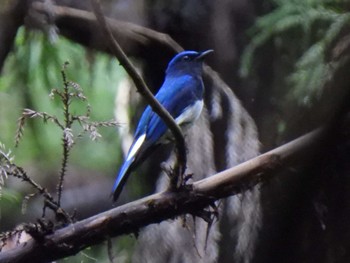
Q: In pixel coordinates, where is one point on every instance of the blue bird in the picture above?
(182, 95)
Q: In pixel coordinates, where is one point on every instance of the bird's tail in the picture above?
(121, 178)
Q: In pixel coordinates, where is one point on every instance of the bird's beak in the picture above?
(204, 54)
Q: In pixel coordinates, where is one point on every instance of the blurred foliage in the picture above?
(30, 72)
(302, 32)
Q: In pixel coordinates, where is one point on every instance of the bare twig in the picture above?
(155, 208)
(143, 89)
(110, 250)
(16, 171)
(67, 140)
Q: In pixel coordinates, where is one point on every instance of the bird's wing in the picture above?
(139, 139)
(121, 178)
(177, 97)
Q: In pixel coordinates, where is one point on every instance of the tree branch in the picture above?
(129, 35)
(130, 217)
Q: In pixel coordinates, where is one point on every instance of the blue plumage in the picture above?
(182, 95)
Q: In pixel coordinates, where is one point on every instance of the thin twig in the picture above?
(110, 250)
(144, 90)
(17, 171)
(65, 139)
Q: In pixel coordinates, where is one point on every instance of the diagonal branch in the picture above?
(130, 217)
(143, 89)
(129, 35)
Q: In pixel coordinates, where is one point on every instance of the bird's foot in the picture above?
(177, 182)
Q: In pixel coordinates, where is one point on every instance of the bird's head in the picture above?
(187, 62)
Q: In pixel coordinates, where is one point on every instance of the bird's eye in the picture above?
(186, 58)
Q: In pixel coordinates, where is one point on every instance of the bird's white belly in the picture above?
(190, 114)
(185, 120)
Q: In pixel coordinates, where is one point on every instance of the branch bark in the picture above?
(130, 217)
(130, 36)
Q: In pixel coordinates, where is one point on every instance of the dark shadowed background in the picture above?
(282, 70)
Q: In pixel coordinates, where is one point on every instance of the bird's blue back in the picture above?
(175, 95)
(182, 88)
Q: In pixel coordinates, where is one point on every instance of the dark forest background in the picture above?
(286, 63)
